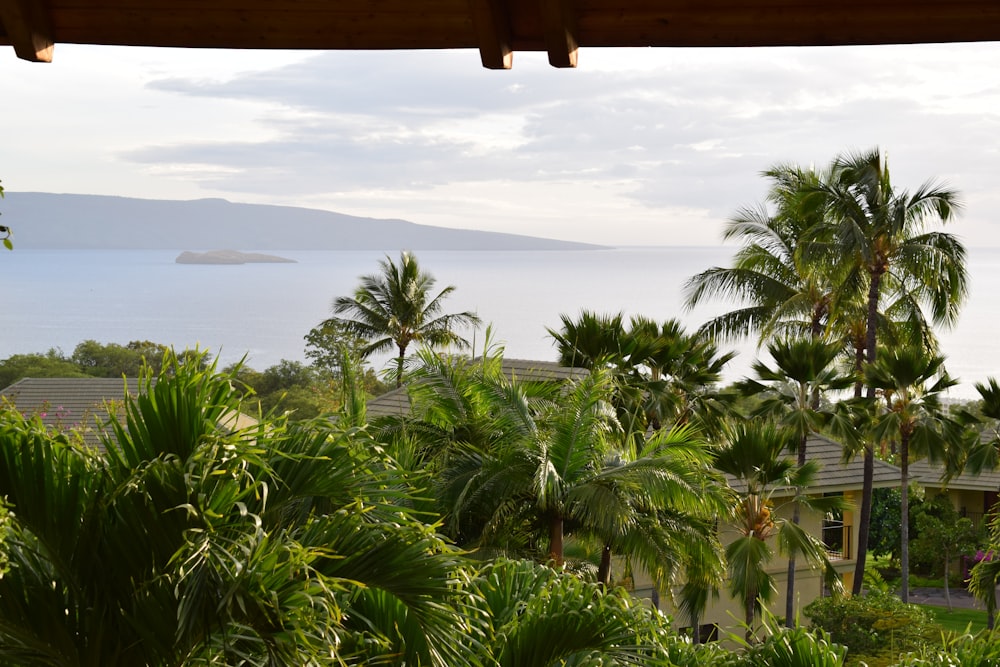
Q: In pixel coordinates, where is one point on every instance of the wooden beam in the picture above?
(28, 29)
(560, 31)
(493, 33)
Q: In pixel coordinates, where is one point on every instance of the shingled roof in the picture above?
(396, 403)
(82, 404)
(837, 476)
(930, 475)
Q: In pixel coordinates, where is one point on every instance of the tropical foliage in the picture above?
(883, 229)
(252, 545)
(520, 466)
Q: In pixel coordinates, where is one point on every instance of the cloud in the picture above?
(691, 130)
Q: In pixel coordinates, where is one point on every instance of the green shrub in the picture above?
(877, 624)
(967, 650)
(681, 652)
(796, 647)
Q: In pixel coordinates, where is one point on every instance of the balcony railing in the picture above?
(837, 538)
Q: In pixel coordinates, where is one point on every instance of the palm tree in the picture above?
(983, 451)
(592, 340)
(882, 228)
(911, 383)
(754, 454)
(791, 391)
(463, 412)
(662, 375)
(395, 308)
(678, 374)
(785, 290)
(561, 467)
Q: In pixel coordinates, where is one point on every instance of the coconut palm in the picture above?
(911, 382)
(396, 307)
(785, 291)
(754, 454)
(883, 230)
(804, 370)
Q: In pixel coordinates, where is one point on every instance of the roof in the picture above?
(496, 28)
(835, 475)
(929, 474)
(70, 403)
(83, 404)
(396, 403)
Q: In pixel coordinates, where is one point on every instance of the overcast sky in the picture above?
(634, 147)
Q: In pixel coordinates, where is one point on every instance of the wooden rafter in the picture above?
(496, 27)
(490, 18)
(559, 27)
(28, 28)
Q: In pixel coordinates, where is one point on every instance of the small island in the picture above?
(230, 257)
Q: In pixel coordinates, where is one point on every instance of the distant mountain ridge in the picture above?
(71, 221)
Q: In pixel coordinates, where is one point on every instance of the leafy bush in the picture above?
(876, 624)
(796, 647)
(967, 650)
(681, 652)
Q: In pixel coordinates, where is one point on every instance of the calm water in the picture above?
(58, 298)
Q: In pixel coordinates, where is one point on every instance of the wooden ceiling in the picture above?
(497, 28)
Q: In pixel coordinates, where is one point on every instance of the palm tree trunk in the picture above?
(556, 540)
(790, 592)
(864, 519)
(399, 366)
(604, 570)
(868, 475)
(904, 517)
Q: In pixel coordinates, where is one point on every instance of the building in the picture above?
(839, 533)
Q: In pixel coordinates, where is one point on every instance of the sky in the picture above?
(634, 147)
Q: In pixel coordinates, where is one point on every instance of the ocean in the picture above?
(57, 298)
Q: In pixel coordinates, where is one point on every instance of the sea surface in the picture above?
(57, 298)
